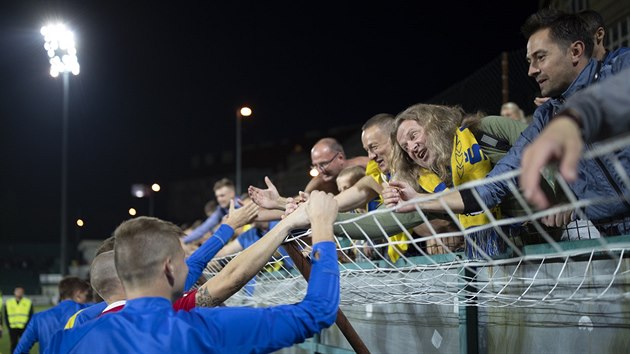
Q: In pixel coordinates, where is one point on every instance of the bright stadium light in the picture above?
(60, 46)
(80, 223)
(155, 187)
(246, 111)
(132, 211)
(61, 51)
(313, 172)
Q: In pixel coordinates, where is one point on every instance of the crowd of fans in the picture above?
(149, 273)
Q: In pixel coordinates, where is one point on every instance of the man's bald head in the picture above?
(328, 157)
(104, 278)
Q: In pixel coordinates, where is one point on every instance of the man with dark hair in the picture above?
(18, 312)
(72, 295)
(558, 55)
(596, 26)
(596, 113)
(150, 263)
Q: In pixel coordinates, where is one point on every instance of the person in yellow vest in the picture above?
(17, 313)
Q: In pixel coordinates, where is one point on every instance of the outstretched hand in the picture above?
(398, 192)
(562, 141)
(242, 216)
(266, 198)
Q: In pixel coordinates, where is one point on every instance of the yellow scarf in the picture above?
(375, 172)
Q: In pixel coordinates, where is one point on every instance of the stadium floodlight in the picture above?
(60, 46)
(61, 49)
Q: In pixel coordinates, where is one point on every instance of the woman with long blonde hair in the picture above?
(437, 148)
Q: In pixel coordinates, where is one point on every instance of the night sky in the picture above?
(160, 82)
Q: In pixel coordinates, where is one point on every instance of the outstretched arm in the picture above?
(267, 198)
(359, 194)
(399, 192)
(212, 221)
(248, 263)
(266, 330)
(198, 260)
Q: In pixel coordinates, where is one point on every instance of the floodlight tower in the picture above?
(62, 53)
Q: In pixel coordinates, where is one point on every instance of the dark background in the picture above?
(161, 82)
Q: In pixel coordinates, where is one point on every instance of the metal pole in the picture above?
(505, 80)
(151, 203)
(64, 173)
(238, 153)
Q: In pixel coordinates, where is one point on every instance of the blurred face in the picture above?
(412, 139)
(344, 182)
(18, 293)
(376, 143)
(224, 195)
(553, 68)
(80, 296)
(509, 112)
(327, 162)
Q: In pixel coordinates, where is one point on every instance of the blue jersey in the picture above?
(196, 263)
(150, 325)
(89, 313)
(204, 254)
(44, 324)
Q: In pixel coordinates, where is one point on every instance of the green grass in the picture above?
(5, 346)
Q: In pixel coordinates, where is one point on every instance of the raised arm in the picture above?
(249, 262)
(212, 221)
(266, 330)
(267, 198)
(198, 260)
(359, 194)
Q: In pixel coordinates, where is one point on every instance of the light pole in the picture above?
(240, 113)
(62, 53)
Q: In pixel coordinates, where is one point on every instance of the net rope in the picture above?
(575, 264)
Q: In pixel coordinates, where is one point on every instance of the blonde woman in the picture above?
(439, 147)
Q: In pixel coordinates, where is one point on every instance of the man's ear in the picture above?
(577, 52)
(599, 35)
(169, 272)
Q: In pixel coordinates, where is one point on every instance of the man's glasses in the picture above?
(323, 165)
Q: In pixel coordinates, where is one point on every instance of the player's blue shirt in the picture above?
(46, 323)
(196, 263)
(150, 325)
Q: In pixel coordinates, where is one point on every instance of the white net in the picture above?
(531, 264)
